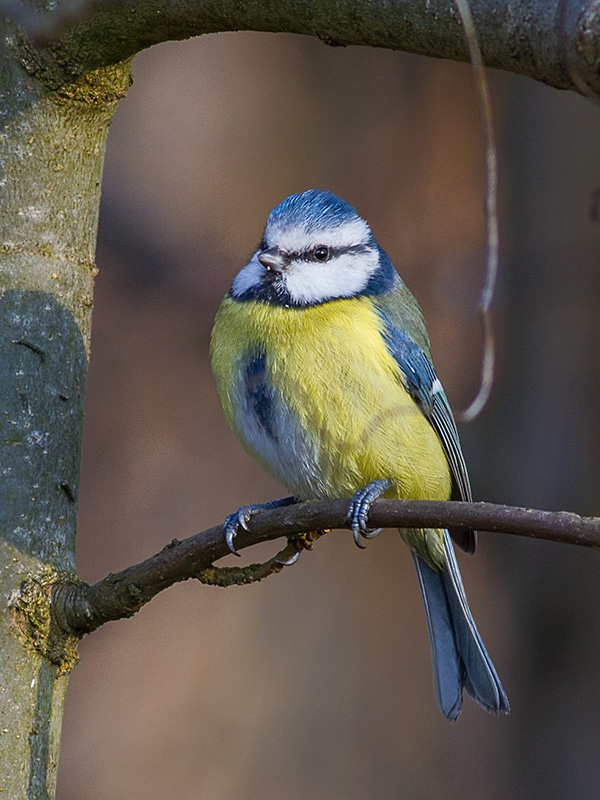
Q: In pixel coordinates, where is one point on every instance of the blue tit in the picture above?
(322, 365)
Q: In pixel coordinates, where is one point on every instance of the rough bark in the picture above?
(55, 106)
(51, 152)
(554, 41)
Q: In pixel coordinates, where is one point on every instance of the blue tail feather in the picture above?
(459, 657)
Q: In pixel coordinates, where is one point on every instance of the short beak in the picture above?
(273, 259)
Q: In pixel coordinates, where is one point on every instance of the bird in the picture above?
(322, 365)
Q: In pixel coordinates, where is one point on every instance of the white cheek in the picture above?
(248, 277)
(298, 238)
(343, 276)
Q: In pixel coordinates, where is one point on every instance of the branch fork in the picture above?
(79, 608)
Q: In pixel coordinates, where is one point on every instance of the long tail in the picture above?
(459, 657)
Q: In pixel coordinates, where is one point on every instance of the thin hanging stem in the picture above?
(491, 217)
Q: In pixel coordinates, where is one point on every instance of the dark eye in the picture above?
(321, 253)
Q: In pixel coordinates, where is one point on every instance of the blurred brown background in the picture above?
(317, 683)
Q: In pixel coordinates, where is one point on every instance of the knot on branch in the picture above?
(34, 624)
(78, 608)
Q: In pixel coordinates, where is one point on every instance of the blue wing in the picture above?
(425, 387)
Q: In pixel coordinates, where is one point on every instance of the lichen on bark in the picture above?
(52, 142)
(33, 623)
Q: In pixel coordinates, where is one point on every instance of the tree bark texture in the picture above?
(56, 103)
(51, 152)
(554, 41)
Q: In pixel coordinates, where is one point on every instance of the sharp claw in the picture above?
(357, 534)
(242, 516)
(243, 522)
(230, 533)
(289, 561)
(360, 507)
(362, 521)
(358, 514)
(245, 514)
(371, 534)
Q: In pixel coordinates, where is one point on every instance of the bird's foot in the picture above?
(241, 517)
(287, 562)
(361, 505)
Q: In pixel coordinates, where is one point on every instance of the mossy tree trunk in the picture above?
(55, 107)
(52, 145)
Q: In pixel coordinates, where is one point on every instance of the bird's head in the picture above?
(315, 248)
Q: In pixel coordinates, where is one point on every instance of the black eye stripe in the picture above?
(309, 255)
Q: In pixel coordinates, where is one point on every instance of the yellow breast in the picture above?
(348, 417)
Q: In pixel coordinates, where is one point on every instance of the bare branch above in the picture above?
(553, 41)
(79, 608)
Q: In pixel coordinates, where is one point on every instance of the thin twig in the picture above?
(252, 573)
(81, 608)
(491, 217)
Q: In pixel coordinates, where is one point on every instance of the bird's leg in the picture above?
(360, 507)
(241, 517)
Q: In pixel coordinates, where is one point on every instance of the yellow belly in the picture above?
(342, 388)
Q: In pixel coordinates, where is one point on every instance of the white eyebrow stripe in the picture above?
(298, 238)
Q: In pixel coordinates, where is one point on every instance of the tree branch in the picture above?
(79, 608)
(45, 28)
(554, 41)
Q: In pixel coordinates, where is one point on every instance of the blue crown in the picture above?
(314, 209)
